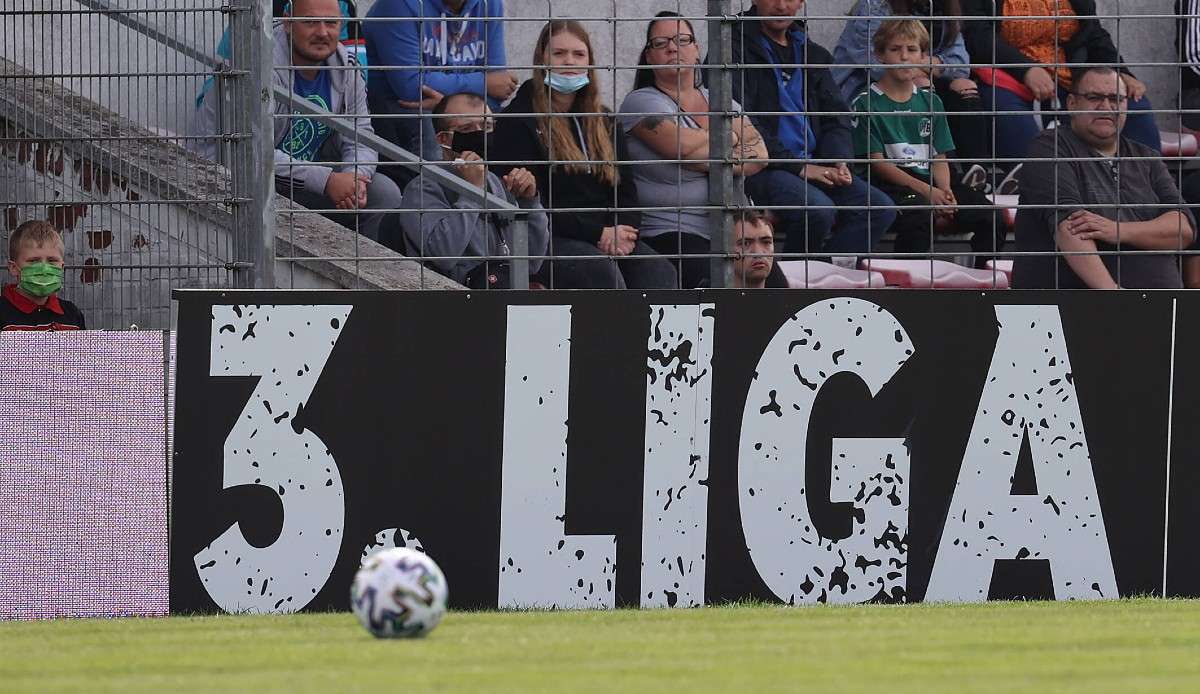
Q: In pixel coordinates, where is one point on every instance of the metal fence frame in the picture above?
(726, 199)
(245, 81)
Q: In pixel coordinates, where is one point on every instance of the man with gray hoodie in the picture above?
(455, 232)
(312, 63)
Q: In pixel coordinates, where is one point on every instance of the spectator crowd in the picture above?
(903, 138)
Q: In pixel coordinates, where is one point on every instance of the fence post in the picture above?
(252, 164)
(721, 194)
(520, 264)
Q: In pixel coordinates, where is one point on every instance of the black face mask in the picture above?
(474, 141)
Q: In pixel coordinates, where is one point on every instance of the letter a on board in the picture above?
(1030, 393)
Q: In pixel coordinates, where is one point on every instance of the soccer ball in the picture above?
(399, 592)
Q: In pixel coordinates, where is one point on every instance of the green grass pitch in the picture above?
(1137, 645)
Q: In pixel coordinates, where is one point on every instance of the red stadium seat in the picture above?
(1008, 205)
(1004, 266)
(936, 274)
(814, 274)
(1178, 144)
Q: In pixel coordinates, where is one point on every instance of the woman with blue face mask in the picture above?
(557, 127)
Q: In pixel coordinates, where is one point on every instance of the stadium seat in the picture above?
(815, 274)
(1008, 205)
(1178, 144)
(1002, 266)
(936, 274)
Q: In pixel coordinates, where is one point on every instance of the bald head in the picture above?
(316, 8)
(457, 111)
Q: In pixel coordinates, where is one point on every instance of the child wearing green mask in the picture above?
(35, 260)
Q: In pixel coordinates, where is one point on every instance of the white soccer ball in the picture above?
(399, 592)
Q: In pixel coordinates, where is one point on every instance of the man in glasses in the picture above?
(455, 230)
(1102, 193)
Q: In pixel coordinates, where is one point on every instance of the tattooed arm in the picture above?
(749, 148)
(669, 141)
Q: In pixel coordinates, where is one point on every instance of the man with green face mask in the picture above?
(35, 260)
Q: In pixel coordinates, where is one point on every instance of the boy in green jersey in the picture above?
(902, 129)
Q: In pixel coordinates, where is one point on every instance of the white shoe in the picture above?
(1010, 185)
(975, 177)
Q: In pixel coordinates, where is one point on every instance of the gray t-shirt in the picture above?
(1146, 191)
(666, 185)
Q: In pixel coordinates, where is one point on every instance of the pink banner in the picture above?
(83, 482)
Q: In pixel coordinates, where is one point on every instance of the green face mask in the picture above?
(41, 279)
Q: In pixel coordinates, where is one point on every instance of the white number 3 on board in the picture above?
(287, 347)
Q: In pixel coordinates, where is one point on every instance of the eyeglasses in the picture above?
(681, 40)
(1098, 100)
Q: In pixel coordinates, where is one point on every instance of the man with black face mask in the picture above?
(454, 232)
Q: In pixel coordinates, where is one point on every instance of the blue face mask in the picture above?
(567, 84)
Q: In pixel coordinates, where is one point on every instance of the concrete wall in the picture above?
(1140, 37)
(84, 43)
(157, 86)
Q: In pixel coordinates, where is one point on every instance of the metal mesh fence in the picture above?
(675, 157)
(97, 104)
(644, 177)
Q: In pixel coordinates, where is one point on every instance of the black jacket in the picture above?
(757, 91)
(516, 139)
(1189, 45)
(1091, 44)
(19, 313)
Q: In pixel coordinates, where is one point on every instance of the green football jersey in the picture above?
(911, 133)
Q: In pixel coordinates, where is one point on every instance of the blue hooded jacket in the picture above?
(439, 38)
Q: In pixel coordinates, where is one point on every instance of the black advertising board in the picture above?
(598, 449)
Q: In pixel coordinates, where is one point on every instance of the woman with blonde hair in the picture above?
(557, 127)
